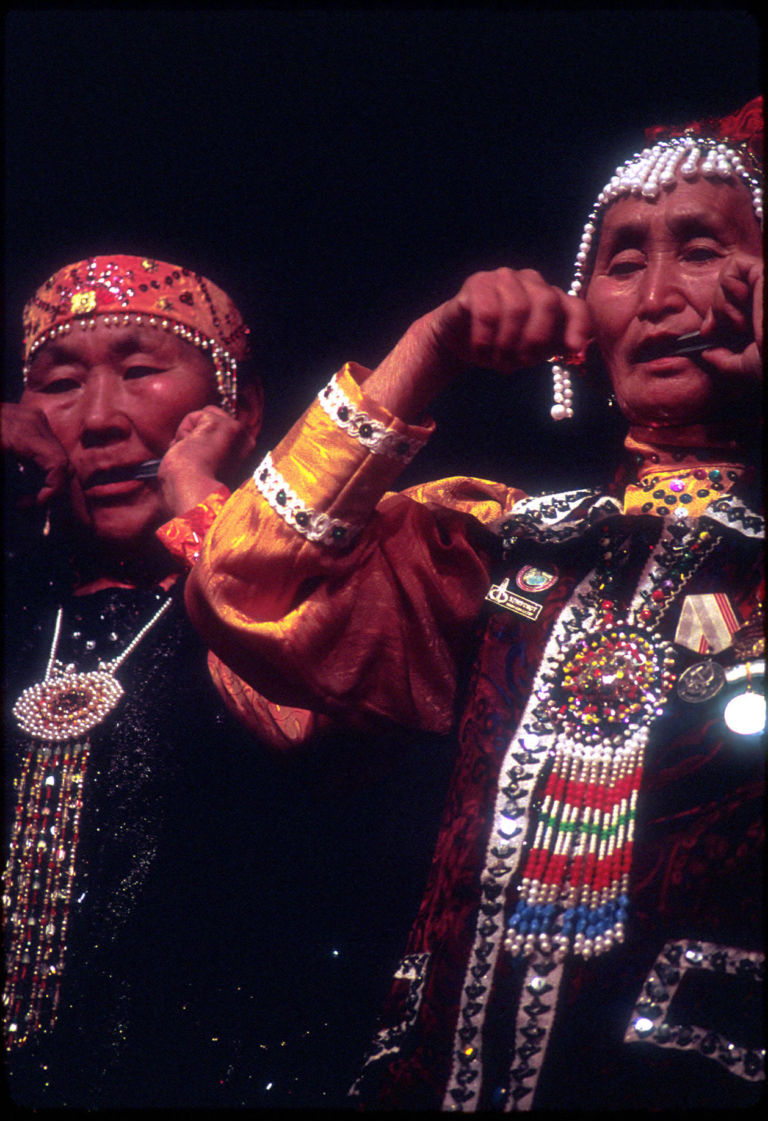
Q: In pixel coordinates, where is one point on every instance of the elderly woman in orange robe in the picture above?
(590, 932)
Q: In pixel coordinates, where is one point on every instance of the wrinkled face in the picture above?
(114, 397)
(656, 271)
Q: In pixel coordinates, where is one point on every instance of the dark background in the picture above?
(340, 171)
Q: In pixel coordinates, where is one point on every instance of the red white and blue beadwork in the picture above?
(604, 684)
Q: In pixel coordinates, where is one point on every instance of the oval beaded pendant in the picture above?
(619, 676)
(64, 707)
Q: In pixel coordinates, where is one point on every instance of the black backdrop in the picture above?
(340, 171)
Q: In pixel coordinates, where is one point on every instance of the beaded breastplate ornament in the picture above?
(608, 682)
(58, 713)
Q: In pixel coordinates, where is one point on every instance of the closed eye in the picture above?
(59, 385)
(624, 266)
(701, 253)
(140, 372)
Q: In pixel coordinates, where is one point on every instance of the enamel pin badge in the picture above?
(535, 582)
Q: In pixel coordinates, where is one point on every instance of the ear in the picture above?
(250, 405)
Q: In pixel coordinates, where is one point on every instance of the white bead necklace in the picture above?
(66, 704)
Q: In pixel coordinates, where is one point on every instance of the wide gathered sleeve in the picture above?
(322, 590)
(281, 727)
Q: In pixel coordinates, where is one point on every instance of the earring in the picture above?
(563, 393)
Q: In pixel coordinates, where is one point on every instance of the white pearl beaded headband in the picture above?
(646, 174)
(225, 366)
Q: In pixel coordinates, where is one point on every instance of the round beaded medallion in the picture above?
(61, 708)
(619, 676)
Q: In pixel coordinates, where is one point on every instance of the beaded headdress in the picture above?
(140, 290)
(727, 149)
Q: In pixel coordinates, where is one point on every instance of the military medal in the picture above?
(701, 682)
(745, 713)
(749, 641)
(707, 623)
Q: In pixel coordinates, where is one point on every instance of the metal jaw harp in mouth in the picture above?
(692, 343)
(147, 470)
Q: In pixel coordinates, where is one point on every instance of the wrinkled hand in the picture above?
(28, 441)
(210, 447)
(508, 320)
(504, 320)
(737, 313)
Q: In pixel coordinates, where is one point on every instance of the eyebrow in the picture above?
(132, 341)
(684, 225)
(136, 340)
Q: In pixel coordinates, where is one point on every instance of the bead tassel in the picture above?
(573, 891)
(38, 882)
(612, 683)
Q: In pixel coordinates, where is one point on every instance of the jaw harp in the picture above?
(692, 343)
(147, 469)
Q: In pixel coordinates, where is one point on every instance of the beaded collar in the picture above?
(570, 515)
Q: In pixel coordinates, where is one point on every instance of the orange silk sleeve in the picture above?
(280, 726)
(322, 590)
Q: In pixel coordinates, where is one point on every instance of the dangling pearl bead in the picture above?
(563, 393)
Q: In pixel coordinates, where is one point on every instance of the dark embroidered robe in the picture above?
(669, 1019)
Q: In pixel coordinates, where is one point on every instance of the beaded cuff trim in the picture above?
(371, 433)
(312, 524)
(649, 1023)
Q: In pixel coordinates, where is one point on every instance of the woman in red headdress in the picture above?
(155, 848)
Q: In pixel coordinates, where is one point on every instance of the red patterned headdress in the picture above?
(742, 129)
(125, 289)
